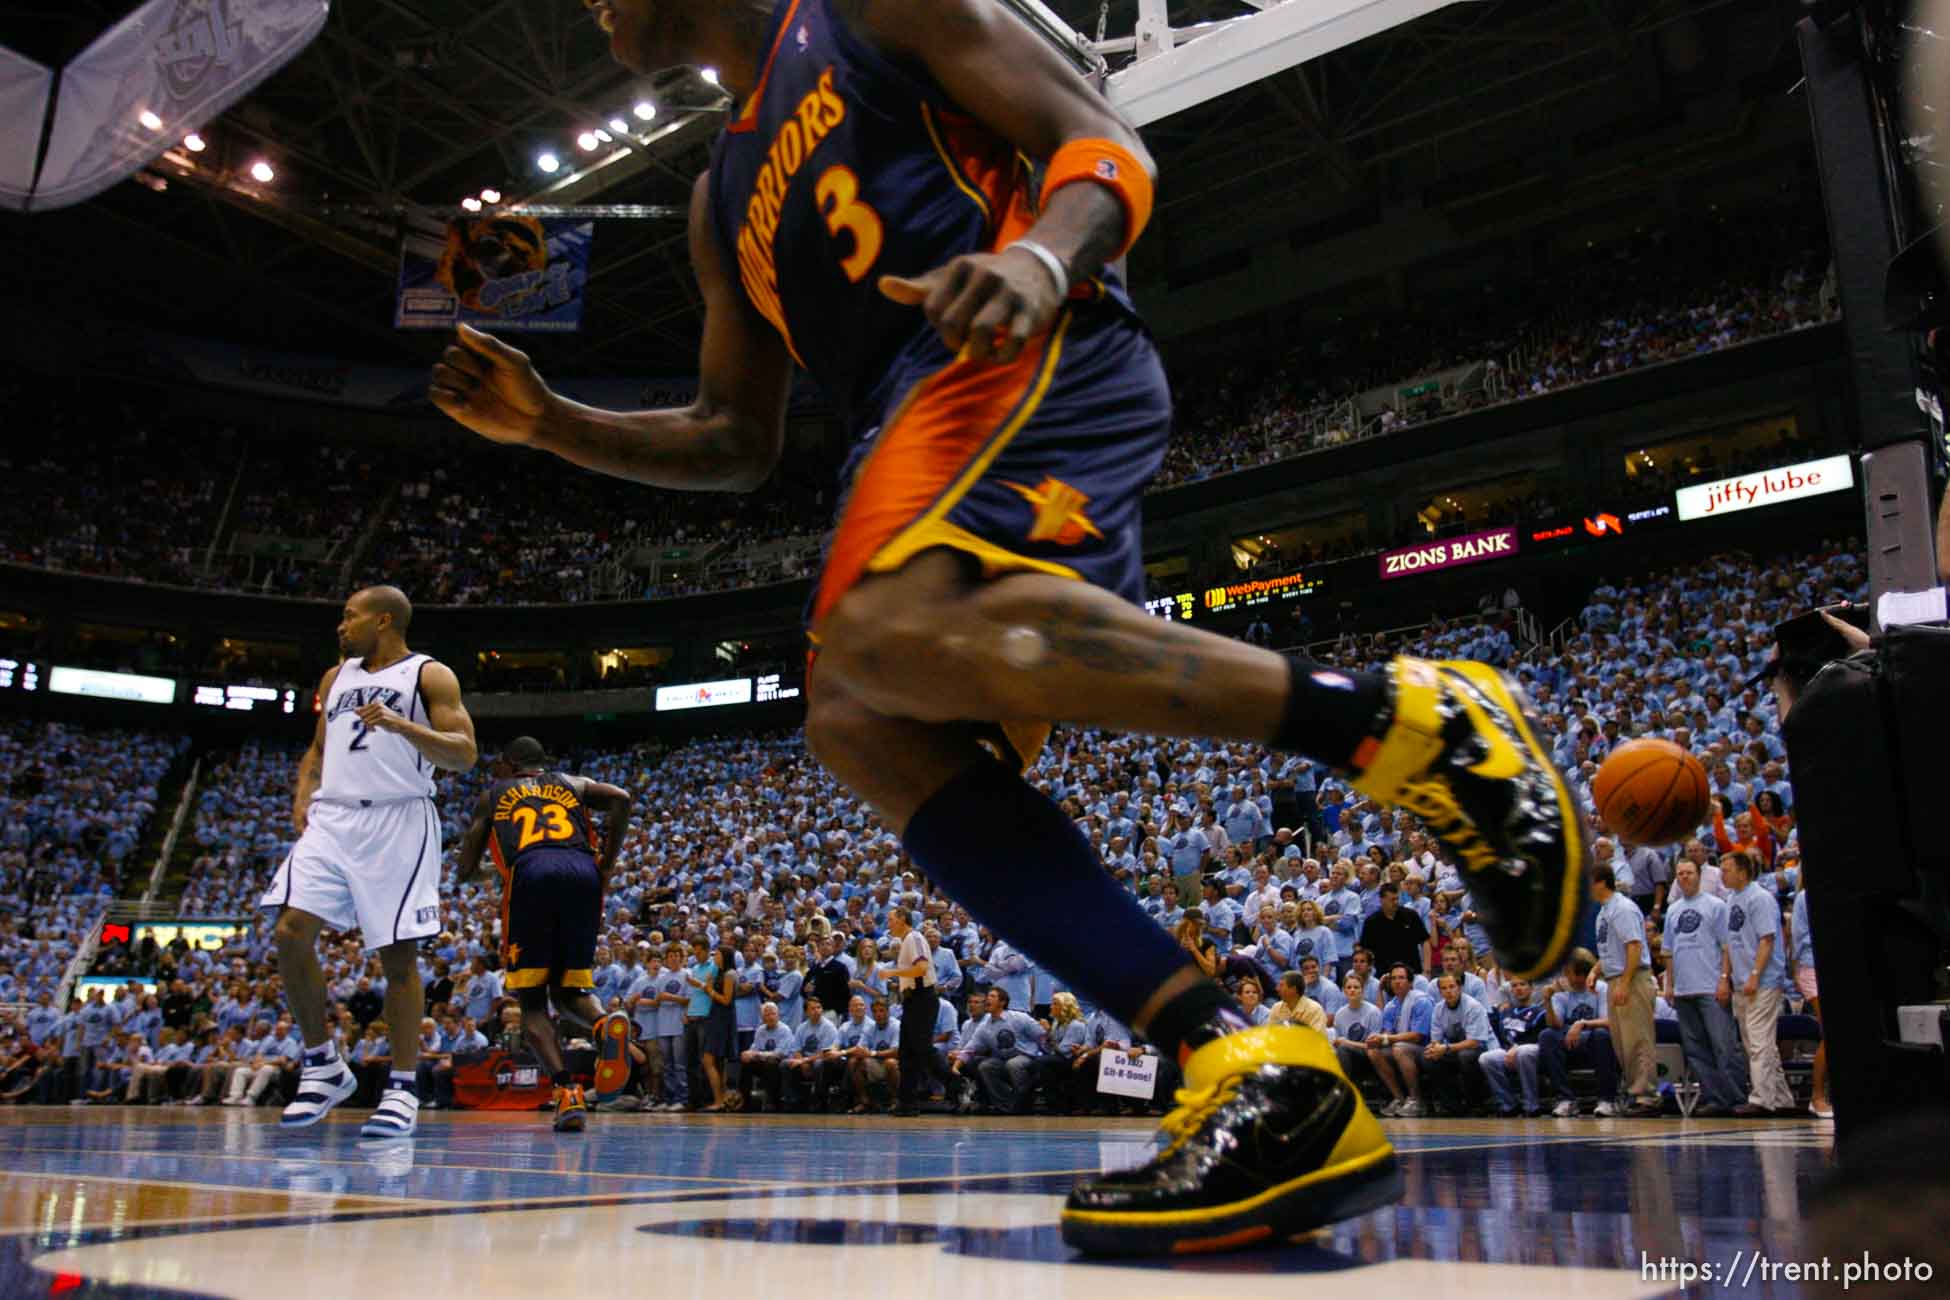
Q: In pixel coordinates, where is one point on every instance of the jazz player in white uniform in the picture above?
(368, 851)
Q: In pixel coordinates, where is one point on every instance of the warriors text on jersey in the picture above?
(844, 167)
(363, 765)
(536, 812)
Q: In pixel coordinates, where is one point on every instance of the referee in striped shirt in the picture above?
(920, 1006)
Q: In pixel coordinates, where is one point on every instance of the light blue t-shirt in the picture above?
(705, 973)
(777, 1038)
(1753, 915)
(1804, 938)
(670, 1015)
(1412, 1018)
(1357, 1024)
(816, 1036)
(1695, 938)
(1465, 1020)
(1571, 1005)
(1619, 923)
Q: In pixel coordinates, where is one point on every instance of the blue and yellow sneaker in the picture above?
(1459, 747)
(1269, 1140)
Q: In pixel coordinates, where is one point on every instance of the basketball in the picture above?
(1650, 792)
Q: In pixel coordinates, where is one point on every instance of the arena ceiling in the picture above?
(421, 102)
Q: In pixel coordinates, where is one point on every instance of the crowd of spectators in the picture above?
(115, 488)
(1274, 875)
(1657, 299)
(75, 803)
(491, 528)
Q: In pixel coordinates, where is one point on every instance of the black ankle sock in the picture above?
(1201, 1013)
(1329, 712)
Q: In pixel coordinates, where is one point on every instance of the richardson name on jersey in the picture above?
(514, 794)
(357, 697)
(818, 113)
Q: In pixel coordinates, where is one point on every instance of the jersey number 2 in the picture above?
(838, 193)
(359, 733)
(552, 825)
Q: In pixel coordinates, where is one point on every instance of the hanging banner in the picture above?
(496, 272)
(175, 64)
(23, 107)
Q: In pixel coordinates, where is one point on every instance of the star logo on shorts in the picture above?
(1059, 512)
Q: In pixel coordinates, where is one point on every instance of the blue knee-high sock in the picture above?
(999, 847)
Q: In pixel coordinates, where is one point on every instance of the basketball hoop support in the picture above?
(1177, 68)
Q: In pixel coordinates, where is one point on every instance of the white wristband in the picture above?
(1051, 262)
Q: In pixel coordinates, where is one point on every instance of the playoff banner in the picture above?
(496, 271)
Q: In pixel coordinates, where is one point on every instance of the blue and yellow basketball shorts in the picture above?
(1036, 466)
(551, 912)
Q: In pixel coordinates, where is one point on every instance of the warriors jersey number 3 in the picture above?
(845, 166)
(364, 765)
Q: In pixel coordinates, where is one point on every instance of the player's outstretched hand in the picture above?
(986, 306)
(489, 386)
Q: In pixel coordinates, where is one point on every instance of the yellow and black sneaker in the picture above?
(1269, 1140)
(571, 1111)
(1459, 747)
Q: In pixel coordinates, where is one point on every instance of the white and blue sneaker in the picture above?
(320, 1087)
(397, 1114)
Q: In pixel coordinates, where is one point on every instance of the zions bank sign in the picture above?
(1497, 544)
(1765, 488)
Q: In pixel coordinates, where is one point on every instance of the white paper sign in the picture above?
(1120, 1076)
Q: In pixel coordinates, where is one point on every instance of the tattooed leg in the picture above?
(933, 644)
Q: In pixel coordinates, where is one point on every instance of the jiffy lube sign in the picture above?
(1497, 544)
(1765, 488)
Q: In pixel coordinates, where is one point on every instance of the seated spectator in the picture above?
(1294, 1007)
(1459, 1033)
(1395, 1052)
(1578, 1029)
(761, 1078)
(1068, 1073)
(1005, 1050)
(1523, 1023)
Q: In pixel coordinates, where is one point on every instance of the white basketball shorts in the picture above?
(376, 867)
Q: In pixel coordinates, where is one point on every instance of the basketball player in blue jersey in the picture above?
(535, 824)
(368, 851)
(919, 202)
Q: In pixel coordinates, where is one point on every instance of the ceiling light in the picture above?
(586, 141)
(709, 74)
(490, 196)
(262, 173)
(471, 204)
(195, 143)
(645, 111)
(602, 135)
(149, 120)
(619, 126)
(548, 162)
